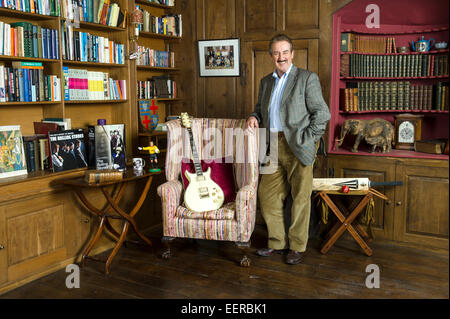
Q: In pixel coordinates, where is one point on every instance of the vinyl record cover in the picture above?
(12, 154)
(68, 149)
(110, 150)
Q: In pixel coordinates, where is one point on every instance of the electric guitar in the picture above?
(202, 193)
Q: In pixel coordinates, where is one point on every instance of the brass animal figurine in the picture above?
(376, 132)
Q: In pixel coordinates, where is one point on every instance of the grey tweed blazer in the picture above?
(303, 112)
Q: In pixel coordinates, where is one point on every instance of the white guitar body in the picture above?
(202, 193)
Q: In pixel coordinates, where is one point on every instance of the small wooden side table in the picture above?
(346, 217)
(112, 207)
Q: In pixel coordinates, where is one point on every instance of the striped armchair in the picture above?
(235, 221)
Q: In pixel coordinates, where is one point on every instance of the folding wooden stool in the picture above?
(347, 217)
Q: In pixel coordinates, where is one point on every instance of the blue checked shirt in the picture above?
(275, 100)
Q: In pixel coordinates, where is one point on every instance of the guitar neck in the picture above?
(197, 165)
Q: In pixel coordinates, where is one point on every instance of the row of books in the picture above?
(26, 82)
(95, 11)
(36, 152)
(80, 85)
(28, 40)
(59, 148)
(86, 47)
(167, 24)
(367, 96)
(417, 65)
(44, 7)
(367, 44)
(25, 154)
(156, 58)
(156, 87)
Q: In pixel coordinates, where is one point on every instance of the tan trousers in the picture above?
(273, 189)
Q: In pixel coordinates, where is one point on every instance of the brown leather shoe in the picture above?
(266, 252)
(294, 257)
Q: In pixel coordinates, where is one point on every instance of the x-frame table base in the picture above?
(112, 211)
(347, 219)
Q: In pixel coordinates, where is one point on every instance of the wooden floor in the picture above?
(208, 269)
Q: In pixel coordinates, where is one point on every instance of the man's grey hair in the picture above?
(278, 38)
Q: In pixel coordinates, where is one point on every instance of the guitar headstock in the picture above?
(185, 120)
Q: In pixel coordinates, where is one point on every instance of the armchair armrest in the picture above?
(246, 211)
(245, 203)
(170, 193)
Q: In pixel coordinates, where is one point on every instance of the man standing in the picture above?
(291, 105)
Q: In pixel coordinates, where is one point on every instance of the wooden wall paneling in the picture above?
(217, 96)
(259, 64)
(301, 14)
(259, 16)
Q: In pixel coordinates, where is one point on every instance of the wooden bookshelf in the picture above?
(424, 176)
(160, 42)
(38, 201)
(435, 119)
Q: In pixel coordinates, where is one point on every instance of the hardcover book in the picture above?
(68, 149)
(12, 153)
(434, 146)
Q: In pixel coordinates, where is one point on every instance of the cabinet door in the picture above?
(422, 207)
(377, 170)
(37, 235)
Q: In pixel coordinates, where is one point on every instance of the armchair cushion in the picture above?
(224, 212)
(221, 173)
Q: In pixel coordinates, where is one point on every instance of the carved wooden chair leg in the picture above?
(244, 247)
(166, 240)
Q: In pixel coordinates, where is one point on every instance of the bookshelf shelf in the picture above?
(162, 99)
(155, 68)
(396, 78)
(153, 4)
(42, 174)
(159, 36)
(21, 58)
(94, 64)
(95, 26)
(407, 53)
(387, 29)
(29, 103)
(95, 101)
(394, 111)
(26, 15)
(393, 153)
(153, 133)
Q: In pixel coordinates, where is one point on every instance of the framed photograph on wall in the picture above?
(219, 57)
